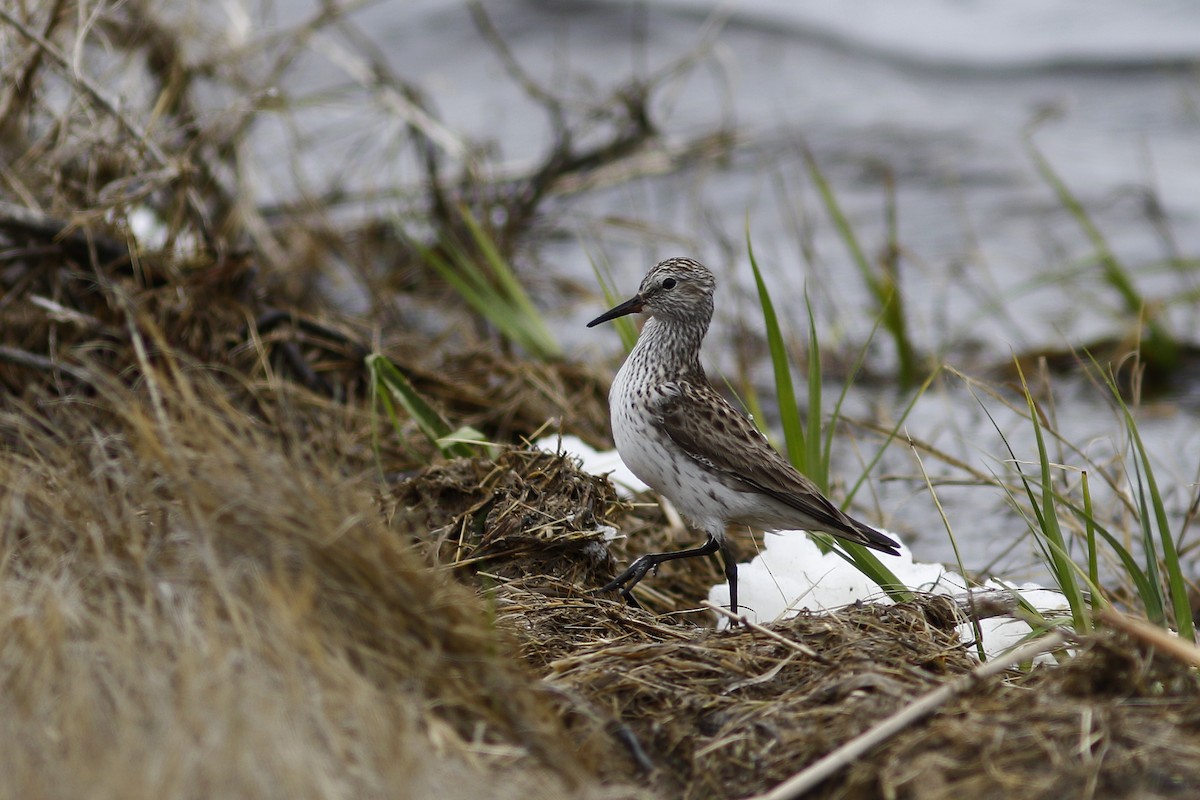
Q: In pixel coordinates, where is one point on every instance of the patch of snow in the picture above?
(609, 533)
(596, 462)
(791, 574)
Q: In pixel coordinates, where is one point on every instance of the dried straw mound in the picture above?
(697, 713)
(505, 394)
(191, 606)
(1117, 721)
(536, 515)
(528, 513)
(192, 603)
(702, 714)
(724, 714)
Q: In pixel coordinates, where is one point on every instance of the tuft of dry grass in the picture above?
(735, 713)
(1117, 721)
(193, 605)
(206, 589)
(726, 714)
(527, 513)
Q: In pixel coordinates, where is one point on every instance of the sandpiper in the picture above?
(676, 433)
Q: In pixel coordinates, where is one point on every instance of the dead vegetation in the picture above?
(193, 604)
(211, 584)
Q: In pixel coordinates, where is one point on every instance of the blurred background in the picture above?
(954, 137)
(1013, 182)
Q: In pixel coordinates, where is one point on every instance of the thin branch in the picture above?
(770, 634)
(81, 81)
(795, 786)
(486, 28)
(404, 107)
(24, 358)
(43, 227)
(1153, 635)
(22, 88)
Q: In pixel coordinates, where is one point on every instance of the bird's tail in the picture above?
(869, 537)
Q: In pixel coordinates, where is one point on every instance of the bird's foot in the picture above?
(643, 564)
(631, 576)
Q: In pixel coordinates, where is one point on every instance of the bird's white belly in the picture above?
(695, 491)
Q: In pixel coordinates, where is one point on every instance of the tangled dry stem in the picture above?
(207, 590)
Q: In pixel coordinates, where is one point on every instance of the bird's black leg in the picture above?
(730, 559)
(638, 569)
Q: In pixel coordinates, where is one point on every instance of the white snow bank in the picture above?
(596, 462)
(791, 574)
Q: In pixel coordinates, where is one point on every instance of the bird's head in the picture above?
(677, 289)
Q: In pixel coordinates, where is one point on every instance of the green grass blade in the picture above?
(816, 461)
(837, 414)
(495, 293)
(884, 288)
(891, 437)
(1176, 584)
(379, 398)
(1044, 530)
(866, 562)
(794, 434)
(1051, 530)
(1149, 497)
(391, 383)
(789, 412)
(625, 326)
(527, 317)
(891, 296)
(958, 560)
(1159, 346)
(462, 276)
(842, 224)
(1089, 525)
(1147, 591)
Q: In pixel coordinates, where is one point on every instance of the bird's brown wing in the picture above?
(714, 433)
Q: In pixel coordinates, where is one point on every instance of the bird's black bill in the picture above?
(630, 306)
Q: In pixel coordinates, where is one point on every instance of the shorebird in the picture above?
(684, 440)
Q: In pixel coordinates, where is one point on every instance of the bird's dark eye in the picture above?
(669, 283)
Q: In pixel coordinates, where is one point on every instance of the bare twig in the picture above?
(22, 88)
(60, 313)
(536, 92)
(770, 634)
(392, 88)
(85, 83)
(1152, 635)
(400, 103)
(46, 228)
(24, 358)
(805, 780)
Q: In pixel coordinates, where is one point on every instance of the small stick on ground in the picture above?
(801, 782)
(770, 634)
(24, 358)
(1152, 635)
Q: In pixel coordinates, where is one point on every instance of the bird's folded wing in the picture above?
(710, 430)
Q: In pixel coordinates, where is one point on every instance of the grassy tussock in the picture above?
(192, 607)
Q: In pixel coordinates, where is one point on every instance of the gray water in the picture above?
(1110, 100)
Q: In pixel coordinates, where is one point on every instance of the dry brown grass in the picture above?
(211, 584)
(697, 713)
(193, 606)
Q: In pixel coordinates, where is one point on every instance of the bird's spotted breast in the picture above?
(696, 491)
